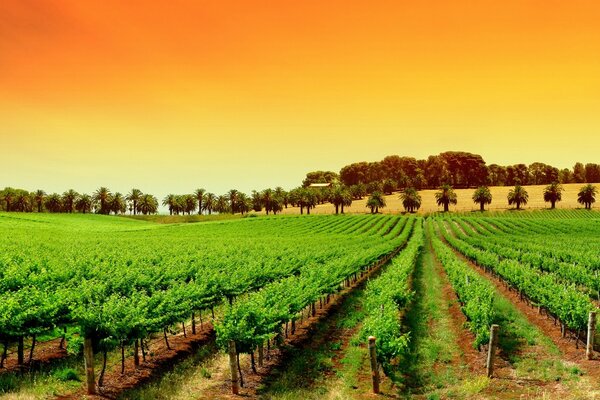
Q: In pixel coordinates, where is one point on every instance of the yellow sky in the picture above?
(170, 96)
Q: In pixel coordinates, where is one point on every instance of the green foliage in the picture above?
(547, 284)
(385, 297)
(58, 271)
(476, 294)
(260, 315)
(66, 374)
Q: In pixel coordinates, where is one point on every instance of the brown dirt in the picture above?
(43, 354)
(157, 361)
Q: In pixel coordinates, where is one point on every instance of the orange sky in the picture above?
(170, 96)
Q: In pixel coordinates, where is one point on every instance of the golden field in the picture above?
(465, 203)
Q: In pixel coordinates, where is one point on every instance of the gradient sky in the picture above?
(173, 95)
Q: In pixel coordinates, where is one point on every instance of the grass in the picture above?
(428, 368)
(59, 377)
(177, 383)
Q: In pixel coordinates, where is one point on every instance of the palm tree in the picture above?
(309, 199)
(148, 204)
(83, 204)
(337, 197)
(518, 196)
(445, 196)
(267, 198)
(256, 201)
(21, 202)
(276, 205)
(8, 194)
(375, 202)
(209, 202)
(340, 196)
(411, 200)
(117, 204)
(244, 203)
(68, 200)
(102, 196)
(133, 198)
(170, 201)
(553, 193)
(222, 204)
(199, 193)
(587, 196)
(53, 203)
(38, 197)
(483, 196)
(282, 195)
(233, 200)
(189, 203)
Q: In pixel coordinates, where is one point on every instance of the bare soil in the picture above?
(157, 361)
(43, 354)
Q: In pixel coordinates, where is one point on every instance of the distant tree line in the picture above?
(445, 172)
(454, 168)
(102, 201)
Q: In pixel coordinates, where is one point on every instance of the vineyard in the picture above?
(334, 306)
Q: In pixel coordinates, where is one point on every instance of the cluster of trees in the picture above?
(102, 201)
(455, 168)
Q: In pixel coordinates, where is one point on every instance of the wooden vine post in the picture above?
(591, 332)
(235, 388)
(260, 354)
(374, 366)
(492, 350)
(88, 356)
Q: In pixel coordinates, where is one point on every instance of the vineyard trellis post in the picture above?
(492, 350)
(235, 388)
(374, 366)
(591, 332)
(260, 354)
(88, 356)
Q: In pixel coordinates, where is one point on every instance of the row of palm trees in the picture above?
(517, 196)
(270, 200)
(102, 201)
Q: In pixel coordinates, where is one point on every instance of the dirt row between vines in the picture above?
(44, 353)
(158, 359)
(545, 323)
